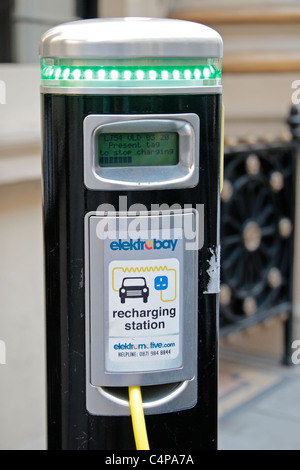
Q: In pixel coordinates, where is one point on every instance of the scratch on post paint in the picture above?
(213, 286)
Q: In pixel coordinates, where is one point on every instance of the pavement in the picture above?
(259, 403)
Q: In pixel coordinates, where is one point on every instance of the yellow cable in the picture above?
(138, 418)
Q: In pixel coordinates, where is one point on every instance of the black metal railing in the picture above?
(257, 233)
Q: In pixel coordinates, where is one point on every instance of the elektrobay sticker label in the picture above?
(144, 319)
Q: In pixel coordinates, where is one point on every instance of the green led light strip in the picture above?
(58, 73)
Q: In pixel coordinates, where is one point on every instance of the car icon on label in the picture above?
(134, 287)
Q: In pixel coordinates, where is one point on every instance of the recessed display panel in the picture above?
(125, 149)
(141, 151)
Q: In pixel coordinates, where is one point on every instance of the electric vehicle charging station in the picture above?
(132, 168)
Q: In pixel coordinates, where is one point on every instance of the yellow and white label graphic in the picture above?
(144, 318)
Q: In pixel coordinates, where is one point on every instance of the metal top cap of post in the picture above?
(131, 38)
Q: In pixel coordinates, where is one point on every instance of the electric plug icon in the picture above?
(161, 283)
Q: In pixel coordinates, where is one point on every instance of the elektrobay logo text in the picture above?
(140, 245)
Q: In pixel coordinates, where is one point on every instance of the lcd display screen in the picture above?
(126, 149)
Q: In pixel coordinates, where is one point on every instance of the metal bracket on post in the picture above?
(294, 122)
